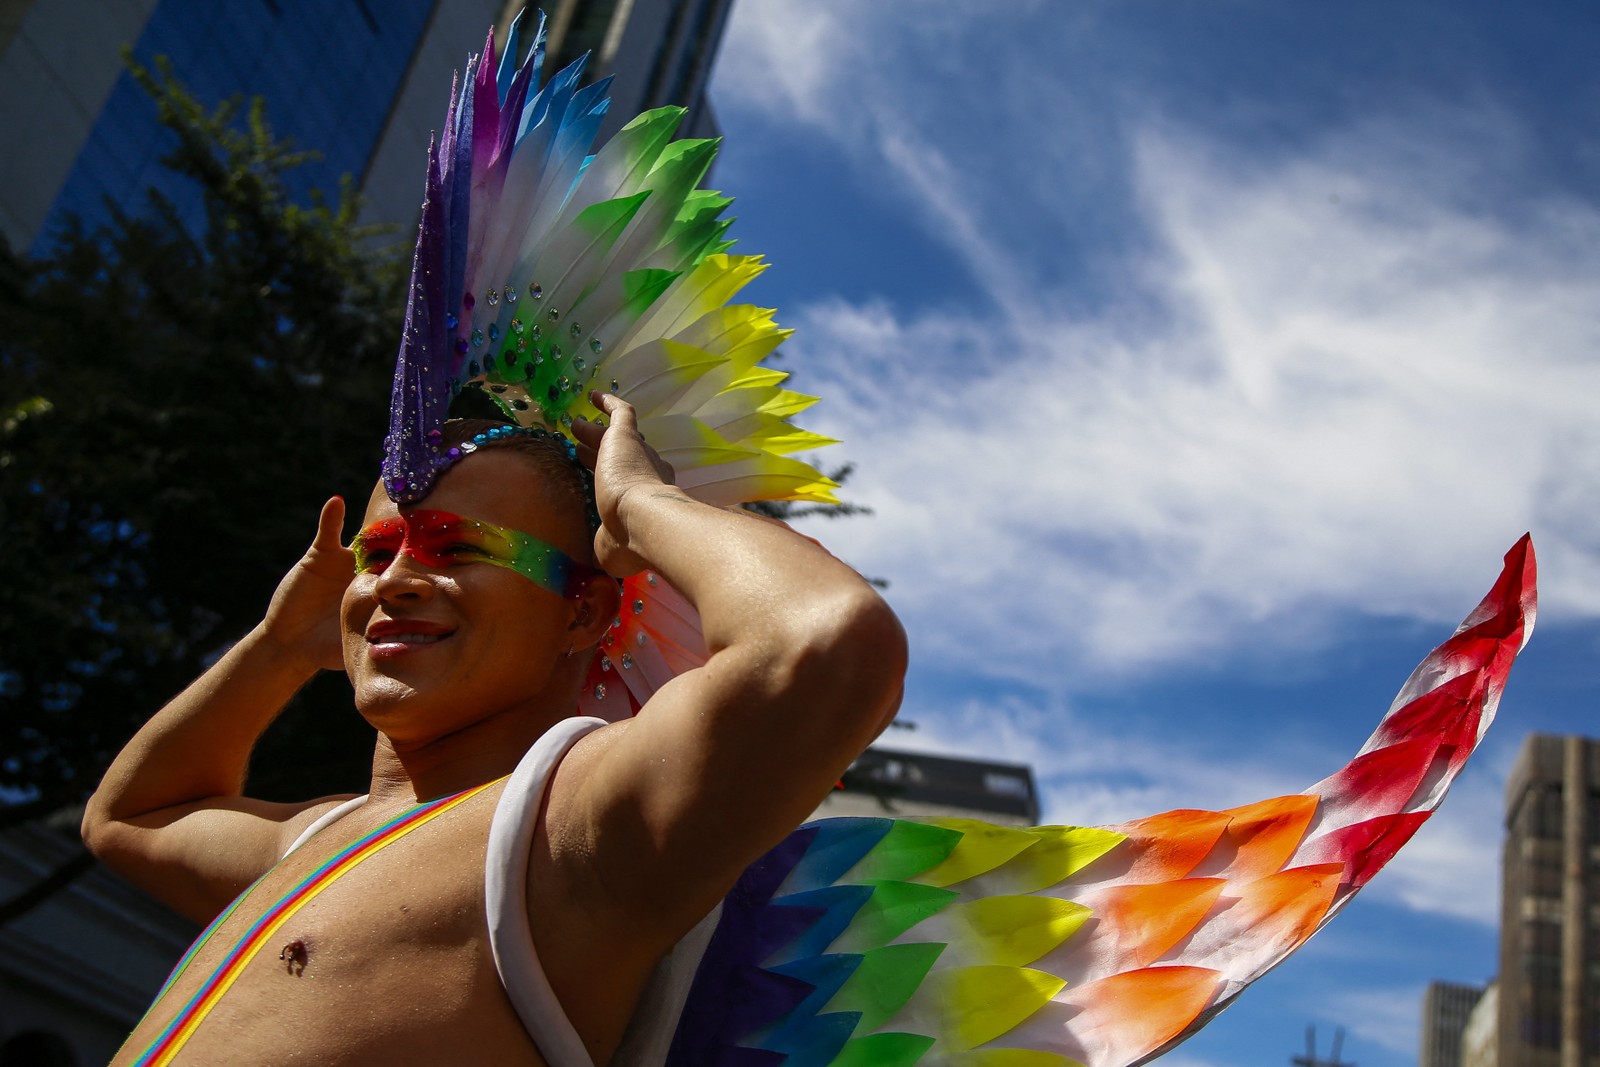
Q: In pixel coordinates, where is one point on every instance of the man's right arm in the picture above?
(170, 813)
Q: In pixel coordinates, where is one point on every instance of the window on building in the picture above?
(1539, 815)
(1006, 785)
(1542, 937)
(1542, 1030)
(1544, 875)
(585, 31)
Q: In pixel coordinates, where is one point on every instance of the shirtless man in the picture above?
(461, 666)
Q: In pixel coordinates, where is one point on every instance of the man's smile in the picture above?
(393, 637)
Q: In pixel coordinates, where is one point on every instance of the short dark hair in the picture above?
(569, 480)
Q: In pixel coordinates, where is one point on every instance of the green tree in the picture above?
(174, 406)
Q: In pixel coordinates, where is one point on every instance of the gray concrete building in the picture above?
(1549, 983)
(78, 971)
(1446, 1007)
(1483, 1027)
(889, 783)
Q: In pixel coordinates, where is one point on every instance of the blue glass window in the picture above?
(328, 71)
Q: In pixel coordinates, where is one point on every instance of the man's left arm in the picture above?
(805, 668)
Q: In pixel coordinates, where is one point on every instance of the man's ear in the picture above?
(597, 604)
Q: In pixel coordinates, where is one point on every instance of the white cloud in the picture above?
(1338, 377)
(816, 62)
(1386, 1017)
(1340, 404)
(1332, 381)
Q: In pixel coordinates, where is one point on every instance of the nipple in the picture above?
(294, 957)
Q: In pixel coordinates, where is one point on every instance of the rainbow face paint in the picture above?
(441, 539)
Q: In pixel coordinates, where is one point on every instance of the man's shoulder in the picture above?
(547, 784)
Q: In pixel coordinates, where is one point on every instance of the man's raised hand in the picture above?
(623, 463)
(303, 618)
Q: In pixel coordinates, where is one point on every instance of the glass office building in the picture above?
(328, 72)
(361, 83)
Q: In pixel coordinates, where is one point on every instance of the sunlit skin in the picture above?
(498, 642)
(460, 667)
(450, 713)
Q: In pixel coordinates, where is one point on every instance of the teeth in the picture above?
(408, 639)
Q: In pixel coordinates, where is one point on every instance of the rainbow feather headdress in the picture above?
(542, 272)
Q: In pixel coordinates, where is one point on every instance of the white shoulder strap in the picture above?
(327, 818)
(505, 881)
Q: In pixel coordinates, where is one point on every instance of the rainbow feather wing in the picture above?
(954, 943)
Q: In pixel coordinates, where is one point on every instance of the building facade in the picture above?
(1549, 983)
(888, 783)
(1446, 1008)
(1478, 1038)
(78, 971)
(658, 52)
(361, 83)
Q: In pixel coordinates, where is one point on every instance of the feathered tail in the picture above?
(954, 943)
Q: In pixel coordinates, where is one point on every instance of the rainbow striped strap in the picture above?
(177, 1033)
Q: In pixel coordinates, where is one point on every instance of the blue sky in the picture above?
(1201, 362)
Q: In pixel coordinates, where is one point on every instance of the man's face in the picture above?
(432, 649)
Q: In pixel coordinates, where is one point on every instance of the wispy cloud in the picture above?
(1332, 380)
(1351, 396)
(1335, 378)
(1386, 1017)
(783, 59)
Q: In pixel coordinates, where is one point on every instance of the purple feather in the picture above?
(490, 111)
(735, 997)
(421, 391)
(486, 108)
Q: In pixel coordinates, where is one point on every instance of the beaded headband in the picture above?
(453, 454)
(542, 271)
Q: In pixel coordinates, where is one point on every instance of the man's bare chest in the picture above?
(390, 959)
(423, 894)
